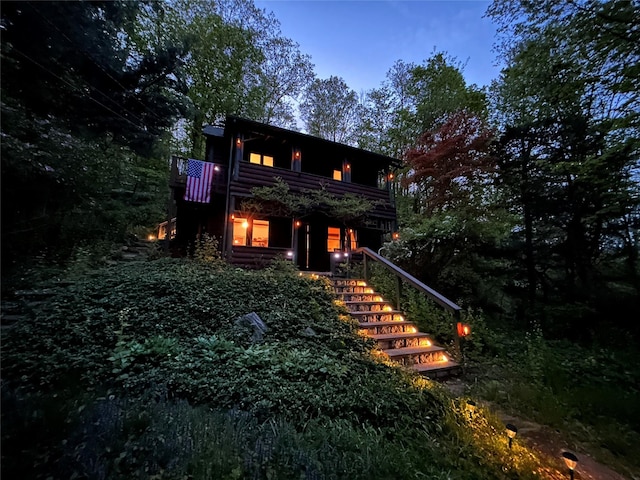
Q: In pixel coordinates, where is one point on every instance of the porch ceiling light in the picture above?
(512, 430)
(570, 461)
(245, 224)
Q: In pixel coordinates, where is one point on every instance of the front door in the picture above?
(312, 250)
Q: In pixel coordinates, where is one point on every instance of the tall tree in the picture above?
(438, 89)
(455, 219)
(283, 75)
(84, 114)
(329, 109)
(571, 142)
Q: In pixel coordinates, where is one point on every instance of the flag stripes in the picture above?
(199, 178)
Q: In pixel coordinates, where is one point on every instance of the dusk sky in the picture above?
(360, 40)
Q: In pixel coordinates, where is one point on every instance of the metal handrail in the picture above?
(400, 274)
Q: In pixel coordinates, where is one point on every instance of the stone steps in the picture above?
(398, 338)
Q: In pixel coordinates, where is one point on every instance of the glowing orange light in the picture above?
(391, 176)
(245, 224)
(443, 358)
(298, 223)
(396, 235)
(412, 330)
(463, 329)
(233, 217)
(151, 237)
(297, 154)
(362, 284)
(368, 290)
(387, 308)
(348, 167)
(238, 141)
(378, 299)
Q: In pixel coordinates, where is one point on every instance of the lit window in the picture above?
(337, 175)
(240, 226)
(260, 159)
(260, 234)
(353, 235)
(333, 239)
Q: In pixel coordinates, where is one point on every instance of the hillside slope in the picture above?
(142, 371)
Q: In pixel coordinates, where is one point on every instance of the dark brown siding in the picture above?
(255, 257)
(251, 176)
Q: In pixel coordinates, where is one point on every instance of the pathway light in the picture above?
(511, 432)
(471, 406)
(570, 461)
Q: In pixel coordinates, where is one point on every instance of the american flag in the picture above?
(199, 177)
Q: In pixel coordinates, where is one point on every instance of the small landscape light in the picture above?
(289, 254)
(571, 461)
(511, 432)
(336, 255)
(471, 406)
(216, 168)
(463, 329)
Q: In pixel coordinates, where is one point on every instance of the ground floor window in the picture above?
(352, 239)
(333, 239)
(250, 232)
(240, 227)
(260, 233)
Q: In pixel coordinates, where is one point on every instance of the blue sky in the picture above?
(360, 40)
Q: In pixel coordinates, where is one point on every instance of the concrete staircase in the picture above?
(398, 338)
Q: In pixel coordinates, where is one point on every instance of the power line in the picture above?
(78, 89)
(124, 89)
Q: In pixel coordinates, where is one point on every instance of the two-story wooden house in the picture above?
(246, 155)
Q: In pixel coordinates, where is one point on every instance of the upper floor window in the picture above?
(260, 159)
(337, 175)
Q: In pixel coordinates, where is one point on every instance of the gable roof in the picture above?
(302, 139)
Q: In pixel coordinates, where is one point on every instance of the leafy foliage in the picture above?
(329, 109)
(278, 200)
(122, 351)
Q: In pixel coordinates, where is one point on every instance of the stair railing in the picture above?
(400, 275)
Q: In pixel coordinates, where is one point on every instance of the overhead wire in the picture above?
(116, 81)
(77, 89)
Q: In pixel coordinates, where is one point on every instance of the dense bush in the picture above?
(141, 371)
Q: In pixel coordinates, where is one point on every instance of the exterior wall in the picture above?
(304, 163)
